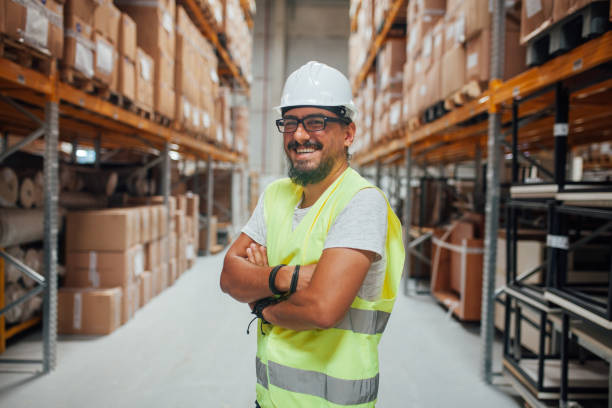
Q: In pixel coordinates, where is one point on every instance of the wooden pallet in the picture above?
(37, 59)
(162, 119)
(466, 93)
(93, 86)
(568, 33)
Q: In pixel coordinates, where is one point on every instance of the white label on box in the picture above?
(532, 7)
(139, 262)
(83, 59)
(472, 60)
(219, 134)
(37, 26)
(423, 90)
(196, 118)
(214, 76)
(77, 312)
(460, 29)
(145, 69)
(186, 109)
(167, 22)
(104, 57)
(206, 119)
(93, 275)
(427, 45)
(394, 115)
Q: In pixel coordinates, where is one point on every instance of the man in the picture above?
(320, 260)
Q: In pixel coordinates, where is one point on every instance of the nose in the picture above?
(301, 135)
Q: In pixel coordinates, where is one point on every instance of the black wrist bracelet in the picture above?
(294, 279)
(272, 279)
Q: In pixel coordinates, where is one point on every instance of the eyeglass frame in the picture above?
(326, 119)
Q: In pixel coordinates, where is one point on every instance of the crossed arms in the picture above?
(325, 290)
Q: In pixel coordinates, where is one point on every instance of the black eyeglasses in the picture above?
(311, 123)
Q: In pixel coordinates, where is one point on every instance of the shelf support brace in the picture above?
(493, 197)
(17, 146)
(51, 174)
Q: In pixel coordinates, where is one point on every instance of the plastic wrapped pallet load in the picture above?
(155, 22)
(36, 23)
(145, 74)
(79, 48)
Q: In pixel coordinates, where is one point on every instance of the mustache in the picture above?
(292, 145)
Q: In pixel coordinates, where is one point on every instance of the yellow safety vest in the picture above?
(337, 367)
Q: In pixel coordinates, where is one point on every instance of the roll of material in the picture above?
(20, 226)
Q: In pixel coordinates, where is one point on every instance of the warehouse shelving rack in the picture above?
(482, 127)
(36, 105)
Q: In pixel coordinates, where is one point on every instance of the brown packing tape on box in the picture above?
(102, 230)
(103, 269)
(127, 37)
(88, 311)
(536, 16)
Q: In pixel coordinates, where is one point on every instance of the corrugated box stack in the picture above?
(239, 38)
(209, 87)
(128, 53)
(156, 36)
(37, 24)
(181, 229)
(390, 67)
(240, 129)
(106, 37)
(225, 135)
(192, 216)
(104, 259)
(79, 49)
(364, 34)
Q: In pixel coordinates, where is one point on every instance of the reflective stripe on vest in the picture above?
(335, 390)
(364, 321)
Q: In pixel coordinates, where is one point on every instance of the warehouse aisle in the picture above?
(189, 348)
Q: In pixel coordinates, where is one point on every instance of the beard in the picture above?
(304, 177)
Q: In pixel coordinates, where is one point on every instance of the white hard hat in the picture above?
(317, 84)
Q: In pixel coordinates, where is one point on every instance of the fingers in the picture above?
(257, 254)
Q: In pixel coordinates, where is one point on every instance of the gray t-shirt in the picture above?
(362, 224)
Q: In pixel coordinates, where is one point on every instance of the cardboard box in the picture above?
(162, 222)
(105, 59)
(154, 221)
(102, 230)
(180, 225)
(84, 10)
(453, 70)
(172, 245)
(145, 224)
(155, 281)
(78, 48)
(152, 255)
(164, 274)
(145, 281)
(172, 271)
(478, 55)
(536, 16)
(106, 21)
(127, 37)
(130, 302)
(155, 24)
(164, 249)
(181, 202)
(104, 269)
(88, 311)
(564, 8)
(127, 78)
(145, 74)
(472, 17)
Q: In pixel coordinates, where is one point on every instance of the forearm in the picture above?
(301, 311)
(247, 282)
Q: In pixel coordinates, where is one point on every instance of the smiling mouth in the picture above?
(307, 148)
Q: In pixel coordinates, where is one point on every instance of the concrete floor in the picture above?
(189, 348)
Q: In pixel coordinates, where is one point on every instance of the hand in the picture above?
(257, 254)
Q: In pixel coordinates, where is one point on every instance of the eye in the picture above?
(315, 123)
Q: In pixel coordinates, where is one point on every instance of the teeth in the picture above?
(301, 151)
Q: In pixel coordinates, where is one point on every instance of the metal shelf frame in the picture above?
(528, 112)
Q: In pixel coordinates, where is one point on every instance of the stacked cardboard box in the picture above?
(128, 55)
(364, 34)
(209, 87)
(390, 70)
(106, 37)
(145, 76)
(239, 38)
(38, 24)
(79, 48)
(104, 257)
(240, 129)
(192, 214)
(225, 135)
(186, 72)
(156, 36)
